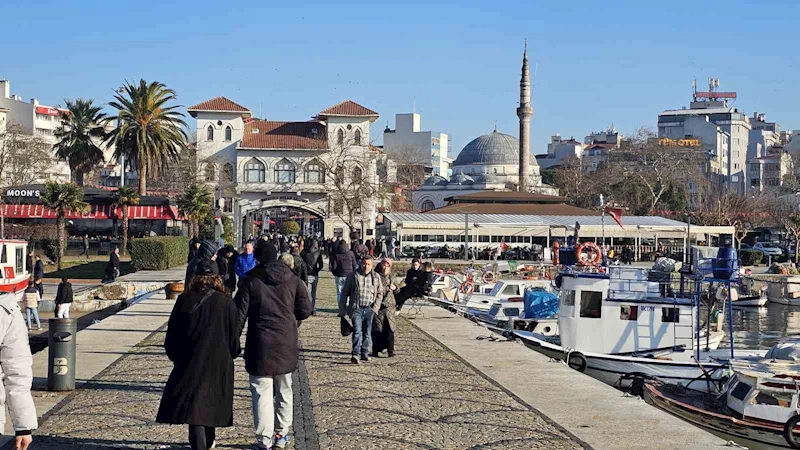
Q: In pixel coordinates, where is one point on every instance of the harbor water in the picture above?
(760, 328)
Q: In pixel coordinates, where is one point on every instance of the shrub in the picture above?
(751, 257)
(159, 253)
(50, 248)
(227, 228)
(290, 227)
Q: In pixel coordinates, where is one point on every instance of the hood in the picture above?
(265, 252)
(66, 284)
(342, 247)
(274, 273)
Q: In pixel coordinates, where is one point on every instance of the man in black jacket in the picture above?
(63, 299)
(208, 252)
(273, 301)
(343, 263)
(312, 257)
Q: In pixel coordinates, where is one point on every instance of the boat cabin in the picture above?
(621, 312)
(504, 289)
(764, 390)
(14, 274)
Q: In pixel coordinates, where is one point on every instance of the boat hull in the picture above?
(745, 432)
(754, 301)
(619, 371)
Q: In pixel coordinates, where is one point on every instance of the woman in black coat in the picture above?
(202, 342)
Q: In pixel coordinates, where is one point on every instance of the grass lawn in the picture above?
(80, 268)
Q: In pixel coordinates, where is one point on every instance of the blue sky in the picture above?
(621, 63)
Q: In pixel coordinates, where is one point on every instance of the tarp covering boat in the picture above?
(540, 304)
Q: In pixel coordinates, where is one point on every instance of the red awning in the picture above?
(32, 211)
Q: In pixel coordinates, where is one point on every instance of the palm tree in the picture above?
(195, 204)
(123, 197)
(150, 133)
(76, 137)
(63, 198)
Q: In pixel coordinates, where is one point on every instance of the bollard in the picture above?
(61, 342)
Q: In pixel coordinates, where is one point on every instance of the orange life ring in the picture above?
(488, 277)
(467, 287)
(588, 245)
(556, 247)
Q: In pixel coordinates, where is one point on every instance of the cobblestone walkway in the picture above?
(424, 398)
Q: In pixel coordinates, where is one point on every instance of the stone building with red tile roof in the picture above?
(269, 171)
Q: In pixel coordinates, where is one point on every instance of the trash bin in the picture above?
(61, 358)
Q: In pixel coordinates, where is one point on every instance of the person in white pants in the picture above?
(272, 300)
(63, 299)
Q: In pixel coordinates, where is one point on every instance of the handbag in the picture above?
(202, 300)
(345, 327)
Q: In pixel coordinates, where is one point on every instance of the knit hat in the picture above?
(207, 250)
(265, 252)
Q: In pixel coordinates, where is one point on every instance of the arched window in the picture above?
(210, 133)
(338, 206)
(284, 171)
(210, 172)
(315, 172)
(227, 173)
(427, 205)
(340, 137)
(339, 174)
(228, 133)
(357, 139)
(358, 175)
(255, 171)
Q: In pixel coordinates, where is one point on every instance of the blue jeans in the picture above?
(313, 281)
(339, 286)
(35, 312)
(362, 331)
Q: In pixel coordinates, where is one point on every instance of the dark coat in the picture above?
(202, 345)
(271, 300)
(231, 280)
(64, 293)
(424, 283)
(299, 266)
(113, 263)
(411, 276)
(343, 262)
(222, 266)
(313, 261)
(38, 269)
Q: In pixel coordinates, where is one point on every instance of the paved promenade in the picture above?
(425, 398)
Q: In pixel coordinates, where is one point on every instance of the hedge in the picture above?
(159, 253)
(751, 257)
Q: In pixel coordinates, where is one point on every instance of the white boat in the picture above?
(509, 314)
(502, 289)
(785, 291)
(617, 326)
(757, 407)
(14, 276)
(748, 297)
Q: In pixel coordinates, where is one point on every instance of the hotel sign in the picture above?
(679, 142)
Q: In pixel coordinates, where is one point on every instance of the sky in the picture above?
(458, 64)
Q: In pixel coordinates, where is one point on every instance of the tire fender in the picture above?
(788, 431)
(576, 361)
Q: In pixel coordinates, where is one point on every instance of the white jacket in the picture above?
(16, 369)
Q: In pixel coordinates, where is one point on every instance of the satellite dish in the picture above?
(748, 226)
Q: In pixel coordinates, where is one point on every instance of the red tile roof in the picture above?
(284, 135)
(348, 108)
(218, 104)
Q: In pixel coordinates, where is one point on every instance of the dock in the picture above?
(449, 387)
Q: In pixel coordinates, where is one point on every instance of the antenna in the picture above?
(414, 104)
(261, 110)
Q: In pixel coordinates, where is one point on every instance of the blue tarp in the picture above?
(540, 304)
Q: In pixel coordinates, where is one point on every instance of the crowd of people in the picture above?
(269, 289)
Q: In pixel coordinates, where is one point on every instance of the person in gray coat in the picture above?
(16, 372)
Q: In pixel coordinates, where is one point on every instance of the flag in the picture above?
(616, 214)
(503, 245)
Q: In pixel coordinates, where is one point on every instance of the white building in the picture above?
(274, 169)
(559, 150)
(597, 146)
(767, 173)
(3, 115)
(408, 136)
(712, 107)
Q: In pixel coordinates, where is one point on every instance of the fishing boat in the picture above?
(535, 311)
(15, 275)
(748, 297)
(502, 289)
(616, 325)
(756, 407)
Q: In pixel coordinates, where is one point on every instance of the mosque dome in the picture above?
(460, 178)
(435, 180)
(494, 148)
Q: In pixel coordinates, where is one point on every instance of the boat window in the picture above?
(591, 302)
(741, 390)
(3, 256)
(628, 312)
(511, 289)
(20, 258)
(511, 312)
(494, 309)
(670, 315)
(568, 298)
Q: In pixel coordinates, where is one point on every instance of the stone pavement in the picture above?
(424, 398)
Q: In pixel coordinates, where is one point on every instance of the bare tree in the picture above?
(575, 184)
(24, 158)
(182, 172)
(656, 165)
(786, 212)
(741, 212)
(352, 177)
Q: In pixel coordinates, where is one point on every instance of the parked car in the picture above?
(768, 249)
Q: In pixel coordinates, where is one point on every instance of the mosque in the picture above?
(492, 162)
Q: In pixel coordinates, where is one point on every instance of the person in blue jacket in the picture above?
(245, 262)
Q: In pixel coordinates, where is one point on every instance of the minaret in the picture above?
(524, 112)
